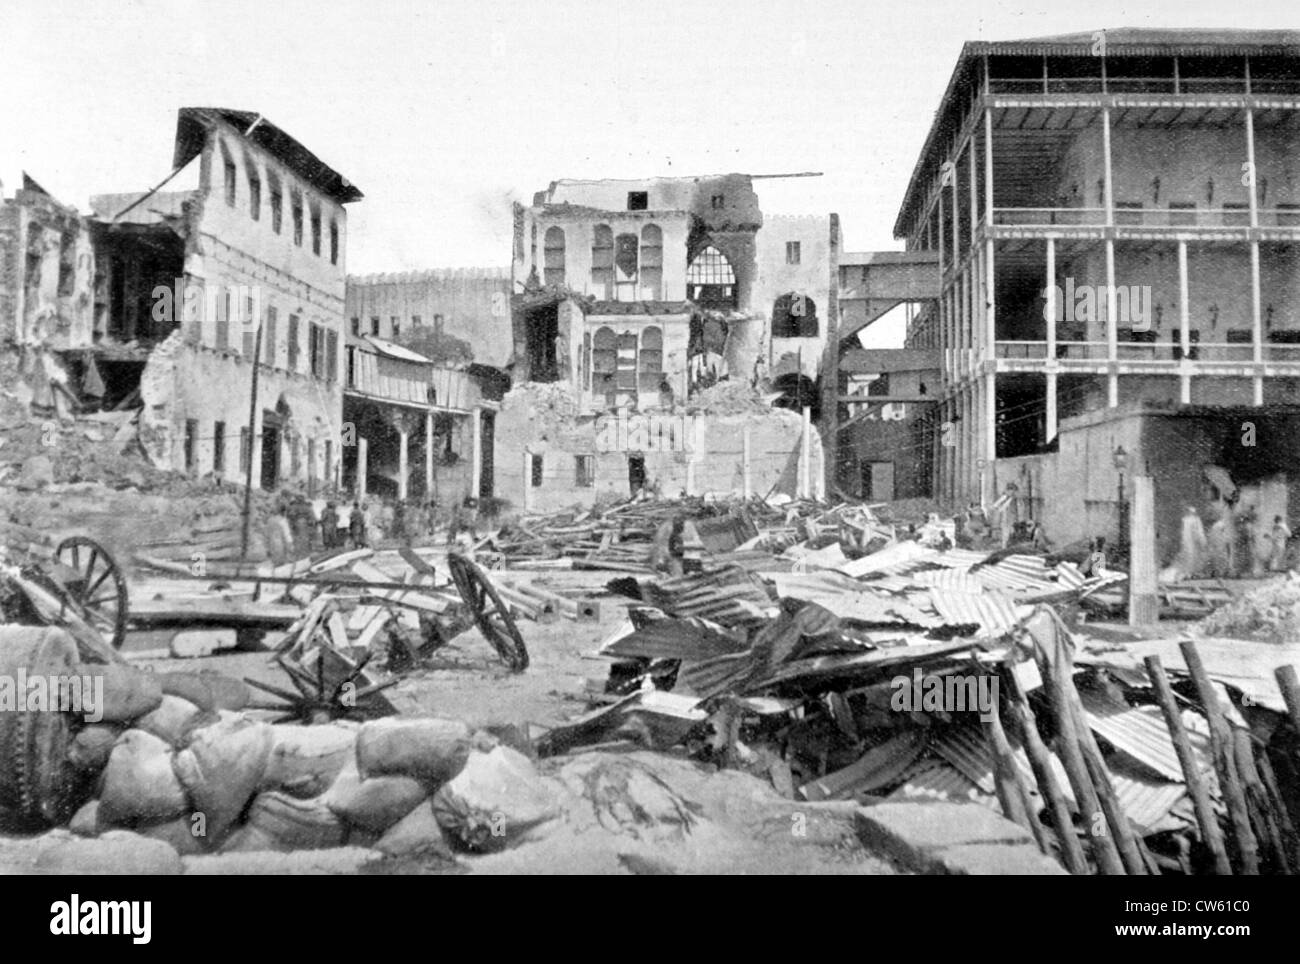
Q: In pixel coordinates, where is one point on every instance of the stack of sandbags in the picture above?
(495, 800)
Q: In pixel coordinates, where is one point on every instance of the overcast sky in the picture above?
(443, 113)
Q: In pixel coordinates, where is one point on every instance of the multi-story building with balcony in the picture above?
(1116, 217)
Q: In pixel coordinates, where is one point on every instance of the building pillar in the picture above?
(1108, 187)
(363, 469)
(990, 300)
(1257, 325)
(1112, 333)
(745, 463)
(476, 451)
(942, 251)
(1049, 320)
(428, 456)
(974, 192)
(528, 479)
(988, 166)
(990, 454)
(1144, 604)
(402, 467)
(1252, 175)
(805, 455)
(1184, 327)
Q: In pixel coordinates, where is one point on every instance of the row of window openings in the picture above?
(584, 471)
(322, 344)
(394, 323)
(191, 449)
(625, 259)
(277, 208)
(640, 201)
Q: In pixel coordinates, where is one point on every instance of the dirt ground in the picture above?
(465, 679)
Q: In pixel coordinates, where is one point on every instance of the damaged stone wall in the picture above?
(704, 452)
(48, 274)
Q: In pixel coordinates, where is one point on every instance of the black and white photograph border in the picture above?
(734, 438)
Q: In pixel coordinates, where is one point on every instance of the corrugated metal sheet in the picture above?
(1139, 732)
(896, 559)
(934, 779)
(683, 638)
(967, 749)
(993, 612)
(1148, 802)
(955, 580)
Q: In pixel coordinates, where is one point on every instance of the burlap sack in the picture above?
(92, 746)
(376, 804)
(172, 721)
(222, 768)
(306, 760)
(277, 821)
(495, 799)
(139, 786)
(428, 749)
(128, 692)
(417, 832)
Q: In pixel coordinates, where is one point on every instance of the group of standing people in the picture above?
(297, 528)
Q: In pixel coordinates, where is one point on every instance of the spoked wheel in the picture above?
(490, 613)
(98, 587)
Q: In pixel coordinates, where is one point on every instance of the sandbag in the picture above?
(139, 786)
(128, 692)
(494, 800)
(185, 834)
(418, 832)
(306, 760)
(207, 690)
(92, 746)
(375, 804)
(85, 822)
(428, 749)
(222, 768)
(277, 821)
(171, 721)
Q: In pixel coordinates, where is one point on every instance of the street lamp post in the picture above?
(1120, 460)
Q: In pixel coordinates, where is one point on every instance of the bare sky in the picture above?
(443, 113)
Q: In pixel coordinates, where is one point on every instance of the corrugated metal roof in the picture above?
(1139, 732)
(895, 559)
(933, 779)
(993, 612)
(1146, 801)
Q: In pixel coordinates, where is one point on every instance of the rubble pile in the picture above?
(1270, 613)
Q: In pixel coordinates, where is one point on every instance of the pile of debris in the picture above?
(896, 688)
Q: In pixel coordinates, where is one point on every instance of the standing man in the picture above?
(1279, 537)
(357, 526)
(329, 526)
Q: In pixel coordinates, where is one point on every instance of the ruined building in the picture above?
(154, 301)
(636, 296)
(1115, 218)
(425, 370)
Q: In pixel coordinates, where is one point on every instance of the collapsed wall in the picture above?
(551, 456)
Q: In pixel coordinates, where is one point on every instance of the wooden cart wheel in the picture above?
(490, 613)
(99, 588)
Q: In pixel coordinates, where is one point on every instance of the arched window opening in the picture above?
(710, 281)
(794, 316)
(626, 260)
(652, 263)
(602, 260)
(650, 364)
(553, 253)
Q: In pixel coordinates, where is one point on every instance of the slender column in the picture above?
(990, 453)
(745, 463)
(403, 437)
(428, 455)
(1257, 325)
(1112, 335)
(988, 166)
(1109, 183)
(1250, 160)
(1184, 326)
(363, 468)
(476, 440)
(1049, 319)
